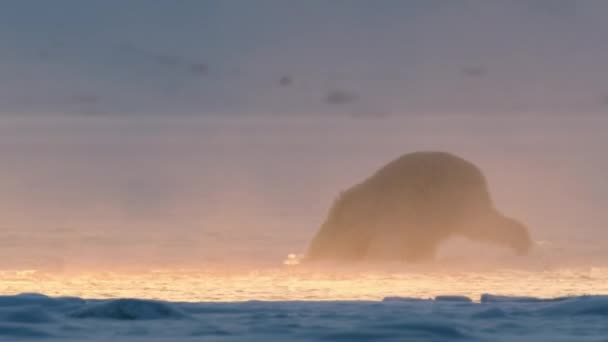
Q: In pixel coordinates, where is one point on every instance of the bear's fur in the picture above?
(408, 207)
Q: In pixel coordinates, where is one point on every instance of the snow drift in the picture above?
(445, 318)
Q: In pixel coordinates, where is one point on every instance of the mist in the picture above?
(203, 132)
(166, 192)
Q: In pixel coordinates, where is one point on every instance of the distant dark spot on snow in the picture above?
(340, 97)
(474, 71)
(285, 81)
(199, 69)
(85, 99)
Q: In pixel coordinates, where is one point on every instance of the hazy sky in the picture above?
(304, 57)
(127, 177)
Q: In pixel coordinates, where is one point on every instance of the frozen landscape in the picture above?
(165, 164)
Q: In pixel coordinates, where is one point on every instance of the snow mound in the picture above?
(445, 318)
(578, 306)
(489, 298)
(129, 309)
(37, 299)
(456, 299)
(403, 299)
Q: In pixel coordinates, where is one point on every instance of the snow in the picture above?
(579, 306)
(129, 309)
(451, 298)
(489, 298)
(402, 299)
(28, 317)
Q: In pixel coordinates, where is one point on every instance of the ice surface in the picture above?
(495, 318)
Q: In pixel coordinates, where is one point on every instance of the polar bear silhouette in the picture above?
(408, 207)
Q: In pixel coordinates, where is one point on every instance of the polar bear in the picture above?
(408, 207)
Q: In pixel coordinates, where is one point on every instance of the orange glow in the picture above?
(292, 283)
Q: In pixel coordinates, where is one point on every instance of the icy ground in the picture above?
(489, 318)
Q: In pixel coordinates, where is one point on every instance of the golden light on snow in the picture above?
(292, 283)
